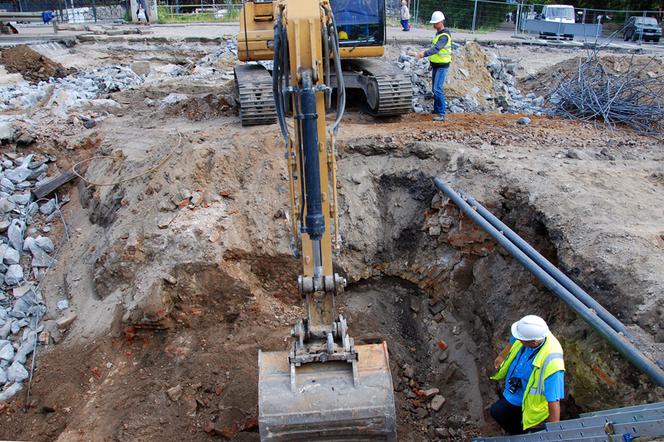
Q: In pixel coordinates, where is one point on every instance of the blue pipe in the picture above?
(550, 268)
(619, 342)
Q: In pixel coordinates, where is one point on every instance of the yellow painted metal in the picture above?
(256, 33)
(305, 18)
(362, 52)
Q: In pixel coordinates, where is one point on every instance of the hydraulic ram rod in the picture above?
(559, 276)
(623, 346)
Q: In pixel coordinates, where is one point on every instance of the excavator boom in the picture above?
(324, 388)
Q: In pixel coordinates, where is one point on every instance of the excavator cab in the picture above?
(361, 22)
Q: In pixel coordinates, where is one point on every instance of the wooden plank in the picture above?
(53, 184)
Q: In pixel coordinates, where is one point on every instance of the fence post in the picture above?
(474, 16)
(517, 19)
(94, 10)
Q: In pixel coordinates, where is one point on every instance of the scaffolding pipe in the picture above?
(624, 347)
(552, 270)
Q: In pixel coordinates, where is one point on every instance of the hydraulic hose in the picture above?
(341, 87)
(277, 73)
(619, 342)
(559, 276)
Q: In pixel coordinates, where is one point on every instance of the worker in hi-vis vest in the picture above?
(534, 372)
(440, 57)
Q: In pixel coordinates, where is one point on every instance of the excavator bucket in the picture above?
(323, 401)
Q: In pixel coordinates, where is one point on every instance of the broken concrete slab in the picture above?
(15, 234)
(45, 244)
(10, 391)
(14, 275)
(11, 256)
(17, 372)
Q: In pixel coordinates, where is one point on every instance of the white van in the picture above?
(558, 14)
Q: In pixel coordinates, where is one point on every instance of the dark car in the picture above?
(642, 28)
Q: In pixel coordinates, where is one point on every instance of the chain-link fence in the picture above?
(205, 11)
(73, 11)
(512, 16)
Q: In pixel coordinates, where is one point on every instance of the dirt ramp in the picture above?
(32, 65)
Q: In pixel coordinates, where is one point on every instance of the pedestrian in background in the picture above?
(534, 372)
(440, 57)
(405, 16)
(142, 5)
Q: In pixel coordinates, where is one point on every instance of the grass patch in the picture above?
(167, 15)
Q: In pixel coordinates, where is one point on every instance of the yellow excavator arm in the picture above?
(325, 387)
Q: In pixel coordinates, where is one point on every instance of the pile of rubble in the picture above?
(508, 97)
(478, 81)
(26, 254)
(74, 90)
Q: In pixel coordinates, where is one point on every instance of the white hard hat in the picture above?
(530, 328)
(437, 17)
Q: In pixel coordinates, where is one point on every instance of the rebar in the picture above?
(633, 98)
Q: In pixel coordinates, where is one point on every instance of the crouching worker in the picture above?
(533, 369)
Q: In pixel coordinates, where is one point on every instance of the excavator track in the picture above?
(254, 93)
(388, 90)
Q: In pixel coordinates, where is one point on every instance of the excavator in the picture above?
(360, 31)
(324, 387)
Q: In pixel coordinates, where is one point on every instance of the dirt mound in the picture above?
(203, 107)
(469, 75)
(32, 65)
(643, 67)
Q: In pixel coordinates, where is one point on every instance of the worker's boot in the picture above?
(439, 117)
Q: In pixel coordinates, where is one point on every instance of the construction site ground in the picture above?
(178, 265)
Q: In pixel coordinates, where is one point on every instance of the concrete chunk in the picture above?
(14, 274)
(10, 392)
(17, 373)
(437, 402)
(11, 256)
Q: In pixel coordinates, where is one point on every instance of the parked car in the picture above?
(558, 14)
(642, 28)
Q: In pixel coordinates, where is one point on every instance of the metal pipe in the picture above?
(549, 268)
(623, 346)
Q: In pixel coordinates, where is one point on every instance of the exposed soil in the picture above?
(33, 66)
(639, 66)
(180, 276)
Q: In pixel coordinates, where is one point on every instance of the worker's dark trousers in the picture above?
(507, 415)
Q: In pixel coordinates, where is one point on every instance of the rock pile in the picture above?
(25, 256)
(508, 97)
(71, 91)
(477, 81)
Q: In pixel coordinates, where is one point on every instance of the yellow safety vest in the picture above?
(445, 54)
(549, 360)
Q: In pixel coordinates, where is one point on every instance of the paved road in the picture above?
(417, 36)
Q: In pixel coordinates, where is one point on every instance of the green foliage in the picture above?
(459, 13)
(166, 14)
